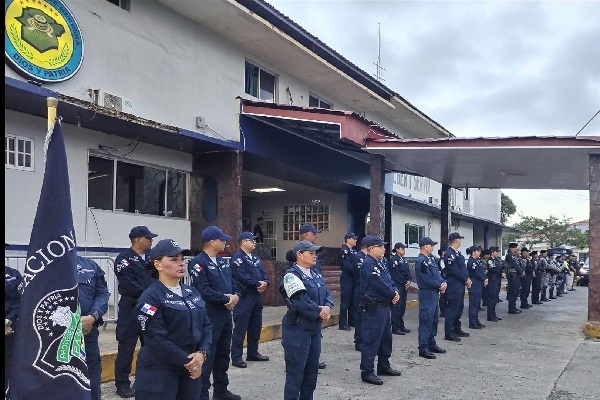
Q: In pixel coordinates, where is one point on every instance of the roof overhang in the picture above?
(507, 163)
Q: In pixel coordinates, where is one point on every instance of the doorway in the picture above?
(270, 232)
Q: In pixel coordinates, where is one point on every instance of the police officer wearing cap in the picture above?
(133, 277)
(379, 293)
(536, 279)
(347, 315)
(93, 299)
(443, 303)
(430, 284)
(359, 259)
(400, 274)
(252, 280)
(13, 288)
(528, 269)
(494, 274)
(478, 281)
(309, 304)
(457, 278)
(176, 330)
(213, 278)
(513, 276)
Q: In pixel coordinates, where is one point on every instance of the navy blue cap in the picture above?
(485, 252)
(399, 245)
(512, 245)
(350, 235)
(305, 245)
(369, 241)
(213, 233)
(309, 228)
(533, 253)
(425, 241)
(245, 236)
(524, 249)
(543, 251)
(494, 248)
(165, 247)
(141, 231)
(473, 248)
(455, 235)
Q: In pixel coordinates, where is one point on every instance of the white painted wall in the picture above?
(486, 203)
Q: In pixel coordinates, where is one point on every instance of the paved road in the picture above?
(539, 354)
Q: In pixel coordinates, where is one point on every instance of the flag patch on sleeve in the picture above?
(148, 309)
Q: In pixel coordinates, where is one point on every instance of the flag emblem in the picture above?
(148, 309)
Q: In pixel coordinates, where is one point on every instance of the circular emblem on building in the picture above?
(42, 40)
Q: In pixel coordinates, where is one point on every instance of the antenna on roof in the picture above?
(380, 68)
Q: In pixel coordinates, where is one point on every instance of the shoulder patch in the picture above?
(292, 284)
(197, 267)
(148, 309)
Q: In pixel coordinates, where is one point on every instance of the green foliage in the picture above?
(553, 231)
(507, 208)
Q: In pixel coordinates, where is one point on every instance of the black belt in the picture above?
(382, 304)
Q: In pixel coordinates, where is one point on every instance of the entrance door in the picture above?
(270, 231)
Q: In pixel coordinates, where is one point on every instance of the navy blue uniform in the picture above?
(173, 327)
(475, 269)
(513, 275)
(443, 296)
(93, 299)
(347, 314)
(456, 277)
(400, 274)
(377, 284)
(429, 281)
(528, 267)
(247, 314)
(494, 274)
(134, 277)
(12, 304)
(301, 339)
(213, 280)
(536, 280)
(359, 258)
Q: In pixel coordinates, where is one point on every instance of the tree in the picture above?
(553, 231)
(507, 208)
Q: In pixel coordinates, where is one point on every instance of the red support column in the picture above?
(377, 196)
(592, 328)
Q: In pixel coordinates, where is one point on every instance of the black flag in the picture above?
(49, 353)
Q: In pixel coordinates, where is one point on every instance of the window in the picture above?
(296, 216)
(412, 234)
(18, 153)
(124, 4)
(136, 188)
(466, 194)
(259, 83)
(314, 101)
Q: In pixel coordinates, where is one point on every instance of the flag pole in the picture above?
(52, 103)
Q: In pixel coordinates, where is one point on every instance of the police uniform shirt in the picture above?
(375, 280)
(359, 259)
(132, 274)
(213, 279)
(513, 263)
(399, 270)
(456, 269)
(93, 290)
(347, 257)
(173, 326)
(476, 274)
(494, 268)
(13, 287)
(310, 292)
(427, 273)
(247, 269)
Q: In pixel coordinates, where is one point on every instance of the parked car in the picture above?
(584, 269)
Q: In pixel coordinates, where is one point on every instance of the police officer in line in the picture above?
(430, 285)
(478, 281)
(13, 288)
(133, 277)
(379, 292)
(494, 274)
(309, 303)
(560, 279)
(359, 259)
(552, 281)
(252, 280)
(176, 330)
(457, 279)
(443, 303)
(347, 314)
(536, 280)
(213, 278)
(401, 276)
(513, 275)
(93, 300)
(528, 270)
(544, 267)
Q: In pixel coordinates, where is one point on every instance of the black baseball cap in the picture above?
(166, 247)
(513, 245)
(533, 253)
(370, 241)
(399, 245)
(455, 235)
(494, 248)
(524, 249)
(425, 241)
(473, 248)
(141, 231)
(213, 233)
(305, 245)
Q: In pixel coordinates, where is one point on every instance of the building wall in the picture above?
(487, 204)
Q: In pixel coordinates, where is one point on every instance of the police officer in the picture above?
(430, 285)
(552, 282)
(252, 280)
(213, 278)
(478, 281)
(309, 304)
(528, 268)
(347, 314)
(379, 292)
(176, 330)
(513, 275)
(441, 268)
(13, 288)
(544, 268)
(494, 274)
(359, 259)
(536, 279)
(133, 277)
(457, 278)
(401, 276)
(93, 299)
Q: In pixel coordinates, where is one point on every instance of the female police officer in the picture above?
(310, 303)
(176, 331)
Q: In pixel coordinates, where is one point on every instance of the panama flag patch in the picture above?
(148, 309)
(198, 267)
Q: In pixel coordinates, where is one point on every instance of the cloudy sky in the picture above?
(479, 68)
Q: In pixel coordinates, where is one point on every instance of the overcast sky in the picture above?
(479, 68)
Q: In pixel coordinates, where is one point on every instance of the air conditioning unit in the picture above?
(455, 208)
(433, 200)
(112, 101)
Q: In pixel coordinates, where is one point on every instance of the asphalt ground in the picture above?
(539, 354)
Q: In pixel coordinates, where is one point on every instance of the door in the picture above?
(270, 231)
